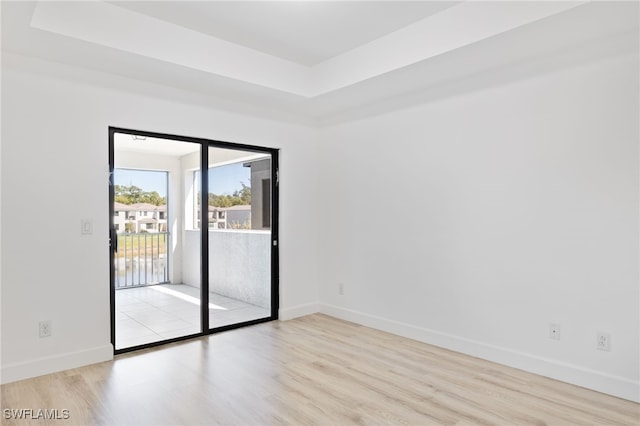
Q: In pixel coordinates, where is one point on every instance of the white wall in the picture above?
(55, 156)
(520, 209)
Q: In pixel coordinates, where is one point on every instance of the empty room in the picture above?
(418, 212)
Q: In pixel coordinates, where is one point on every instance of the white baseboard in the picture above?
(46, 365)
(590, 379)
(298, 311)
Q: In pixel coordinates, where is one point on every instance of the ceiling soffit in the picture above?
(125, 30)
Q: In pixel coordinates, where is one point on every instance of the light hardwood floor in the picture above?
(311, 370)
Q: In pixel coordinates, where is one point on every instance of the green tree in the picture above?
(244, 195)
(132, 194)
(239, 197)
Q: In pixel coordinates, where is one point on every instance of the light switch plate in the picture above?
(86, 227)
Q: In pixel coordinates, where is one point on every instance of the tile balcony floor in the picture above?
(160, 312)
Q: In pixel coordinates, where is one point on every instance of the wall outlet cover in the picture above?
(603, 341)
(554, 331)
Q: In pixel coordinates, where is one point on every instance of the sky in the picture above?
(147, 180)
(222, 180)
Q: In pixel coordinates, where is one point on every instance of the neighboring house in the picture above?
(139, 217)
(238, 217)
(235, 217)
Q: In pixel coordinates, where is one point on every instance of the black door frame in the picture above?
(204, 233)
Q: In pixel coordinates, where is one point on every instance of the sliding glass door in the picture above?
(178, 269)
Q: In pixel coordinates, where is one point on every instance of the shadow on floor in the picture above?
(154, 313)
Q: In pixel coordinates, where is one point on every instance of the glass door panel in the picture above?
(156, 267)
(239, 231)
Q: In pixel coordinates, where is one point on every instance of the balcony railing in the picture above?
(141, 259)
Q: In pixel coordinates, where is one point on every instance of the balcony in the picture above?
(150, 307)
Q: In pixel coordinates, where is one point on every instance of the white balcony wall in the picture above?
(239, 264)
(188, 164)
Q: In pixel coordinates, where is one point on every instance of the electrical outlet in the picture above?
(341, 289)
(45, 328)
(603, 341)
(554, 331)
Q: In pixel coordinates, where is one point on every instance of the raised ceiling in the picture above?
(305, 32)
(313, 62)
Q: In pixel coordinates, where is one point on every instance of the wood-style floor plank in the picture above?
(314, 370)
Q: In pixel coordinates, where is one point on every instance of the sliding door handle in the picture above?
(113, 240)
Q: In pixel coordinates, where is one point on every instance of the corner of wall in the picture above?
(298, 311)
